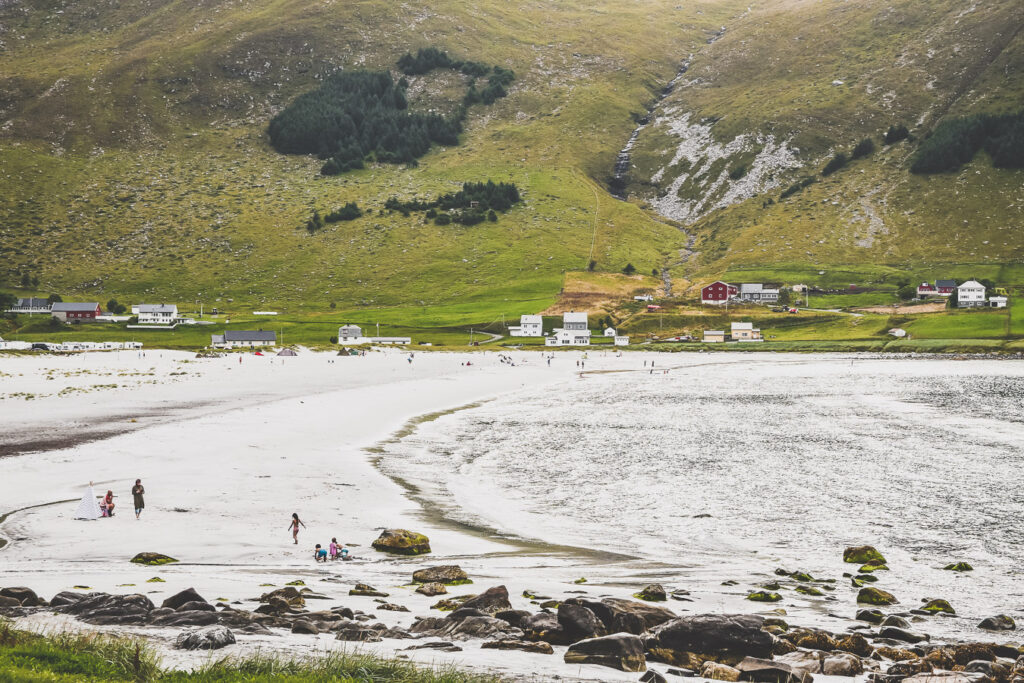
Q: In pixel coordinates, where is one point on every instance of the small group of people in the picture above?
(334, 551)
(107, 504)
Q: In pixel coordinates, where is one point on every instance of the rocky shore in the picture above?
(883, 642)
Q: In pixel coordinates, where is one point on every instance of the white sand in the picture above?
(229, 450)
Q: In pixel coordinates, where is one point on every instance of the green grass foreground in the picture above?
(64, 657)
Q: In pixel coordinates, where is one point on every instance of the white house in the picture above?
(758, 293)
(643, 297)
(573, 332)
(997, 301)
(156, 314)
(234, 339)
(529, 326)
(745, 332)
(574, 321)
(621, 340)
(351, 334)
(610, 332)
(970, 294)
(31, 305)
(714, 336)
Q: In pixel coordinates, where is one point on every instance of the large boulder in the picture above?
(578, 622)
(948, 677)
(620, 615)
(719, 672)
(939, 605)
(543, 626)
(902, 634)
(65, 598)
(26, 597)
(621, 651)
(863, 554)
(872, 616)
(152, 559)
(842, 664)
(1000, 622)
(869, 595)
(654, 592)
(196, 606)
(289, 594)
(402, 542)
(7, 603)
(729, 638)
(449, 574)
(492, 601)
(106, 609)
(208, 638)
(189, 618)
(767, 671)
(432, 589)
(465, 624)
(807, 661)
(185, 596)
(367, 590)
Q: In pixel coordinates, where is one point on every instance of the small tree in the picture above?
(116, 308)
(35, 282)
(629, 269)
(906, 292)
(334, 340)
(26, 280)
(491, 216)
(863, 148)
(443, 219)
(785, 295)
(895, 134)
(333, 305)
(7, 301)
(836, 163)
(592, 265)
(954, 299)
(55, 299)
(655, 272)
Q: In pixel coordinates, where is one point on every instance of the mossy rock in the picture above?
(402, 542)
(125, 585)
(809, 590)
(939, 605)
(152, 559)
(262, 585)
(580, 580)
(730, 582)
(801, 576)
(869, 595)
(155, 579)
(654, 592)
(873, 567)
(866, 578)
(959, 567)
(771, 586)
(451, 604)
(764, 596)
(296, 582)
(550, 604)
(82, 588)
(862, 554)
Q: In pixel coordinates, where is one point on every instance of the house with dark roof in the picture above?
(945, 287)
(75, 312)
(156, 314)
(243, 339)
(31, 305)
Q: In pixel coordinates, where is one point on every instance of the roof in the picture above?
(717, 282)
(158, 308)
(531, 320)
(971, 283)
(945, 283)
(216, 338)
(751, 288)
(571, 317)
(74, 307)
(34, 303)
(707, 332)
(743, 326)
(351, 328)
(249, 335)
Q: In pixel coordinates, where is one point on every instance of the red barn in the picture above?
(75, 312)
(718, 292)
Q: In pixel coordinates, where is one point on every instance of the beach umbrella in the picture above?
(88, 508)
(286, 352)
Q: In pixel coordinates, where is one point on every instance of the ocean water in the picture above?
(729, 468)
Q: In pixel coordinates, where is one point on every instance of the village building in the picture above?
(30, 305)
(643, 297)
(926, 289)
(945, 287)
(745, 332)
(610, 332)
(351, 334)
(156, 314)
(714, 336)
(75, 312)
(573, 332)
(997, 301)
(758, 293)
(970, 294)
(529, 326)
(236, 339)
(717, 292)
(621, 340)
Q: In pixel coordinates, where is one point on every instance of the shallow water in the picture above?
(793, 458)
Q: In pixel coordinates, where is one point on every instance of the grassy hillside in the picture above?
(135, 160)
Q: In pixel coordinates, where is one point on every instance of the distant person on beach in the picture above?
(108, 504)
(138, 491)
(294, 526)
(319, 554)
(334, 548)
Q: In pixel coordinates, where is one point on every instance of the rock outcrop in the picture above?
(402, 542)
(727, 638)
(621, 651)
(209, 638)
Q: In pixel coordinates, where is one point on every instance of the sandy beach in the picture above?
(228, 449)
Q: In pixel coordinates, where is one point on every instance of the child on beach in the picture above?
(294, 526)
(319, 554)
(334, 548)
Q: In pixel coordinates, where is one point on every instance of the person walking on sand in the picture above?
(294, 526)
(138, 491)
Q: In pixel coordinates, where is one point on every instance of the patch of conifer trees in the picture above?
(954, 142)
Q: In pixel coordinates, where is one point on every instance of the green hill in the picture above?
(135, 162)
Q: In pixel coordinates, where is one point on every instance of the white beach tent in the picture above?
(88, 508)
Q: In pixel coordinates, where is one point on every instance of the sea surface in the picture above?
(728, 467)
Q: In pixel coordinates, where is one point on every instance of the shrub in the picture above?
(863, 148)
(334, 339)
(954, 142)
(895, 134)
(906, 292)
(443, 219)
(629, 269)
(491, 216)
(797, 186)
(349, 212)
(592, 265)
(738, 172)
(834, 164)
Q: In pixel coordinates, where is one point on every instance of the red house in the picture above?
(926, 289)
(75, 312)
(718, 292)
